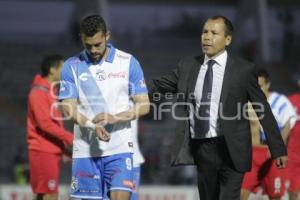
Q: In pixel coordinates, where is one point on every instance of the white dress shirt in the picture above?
(218, 75)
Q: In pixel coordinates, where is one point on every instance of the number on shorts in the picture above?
(128, 163)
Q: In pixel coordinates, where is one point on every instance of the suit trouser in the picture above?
(217, 177)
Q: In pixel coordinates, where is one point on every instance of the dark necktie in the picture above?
(202, 120)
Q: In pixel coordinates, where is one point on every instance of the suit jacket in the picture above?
(240, 85)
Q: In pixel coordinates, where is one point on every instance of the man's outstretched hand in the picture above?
(281, 162)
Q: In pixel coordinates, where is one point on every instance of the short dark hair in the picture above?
(264, 74)
(228, 25)
(48, 62)
(92, 24)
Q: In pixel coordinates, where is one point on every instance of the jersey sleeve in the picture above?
(137, 83)
(68, 88)
(289, 113)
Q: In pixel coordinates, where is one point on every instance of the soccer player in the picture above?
(96, 88)
(293, 167)
(47, 139)
(264, 170)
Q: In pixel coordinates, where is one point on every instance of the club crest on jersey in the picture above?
(100, 75)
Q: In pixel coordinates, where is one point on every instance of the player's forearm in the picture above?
(137, 111)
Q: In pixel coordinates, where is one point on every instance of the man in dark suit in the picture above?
(214, 133)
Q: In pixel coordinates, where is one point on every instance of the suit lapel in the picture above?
(194, 75)
(229, 72)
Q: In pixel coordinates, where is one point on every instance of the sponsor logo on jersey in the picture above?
(117, 75)
(83, 76)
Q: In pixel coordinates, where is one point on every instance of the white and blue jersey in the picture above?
(282, 110)
(107, 87)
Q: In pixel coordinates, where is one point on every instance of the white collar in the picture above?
(220, 59)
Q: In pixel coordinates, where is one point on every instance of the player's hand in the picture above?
(102, 134)
(104, 118)
(281, 162)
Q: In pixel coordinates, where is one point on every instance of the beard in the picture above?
(96, 57)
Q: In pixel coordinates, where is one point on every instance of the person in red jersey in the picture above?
(264, 171)
(294, 150)
(46, 137)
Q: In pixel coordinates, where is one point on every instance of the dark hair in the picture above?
(228, 25)
(48, 62)
(92, 24)
(264, 74)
